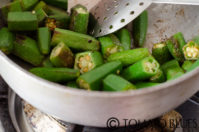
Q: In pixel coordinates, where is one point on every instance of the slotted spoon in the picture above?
(111, 15)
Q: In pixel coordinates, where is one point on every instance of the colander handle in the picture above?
(185, 2)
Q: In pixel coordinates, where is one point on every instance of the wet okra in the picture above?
(87, 61)
(75, 40)
(22, 21)
(145, 84)
(116, 83)
(60, 20)
(92, 80)
(28, 4)
(125, 38)
(186, 65)
(129, 57)
(6, 40)
(60, 75)
(58, 3)
(62, 56)
(142, 70)
(79, 19)
(44, 38)
(191, 51)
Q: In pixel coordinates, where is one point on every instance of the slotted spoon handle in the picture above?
(186, 2)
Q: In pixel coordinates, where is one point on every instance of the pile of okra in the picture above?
(56, 43)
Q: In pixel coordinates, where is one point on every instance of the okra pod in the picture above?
(140, 85)
(140, 26)
(6, 40)
(108, 46)
(125, 38)
(72, 84)
(87, 61)
(47, 63)
(175, 46)
(194, 66)
(41, 5)
(161, 53)
(27, 49)
(159, 77)
(129, 57)
(116, 83)
(58, 3)
(79, 19)
(41, 15)
(22, 21)
(11, 7)
(75, 40)
(169, 65)
(59, 75)
(191, 51)
(187, 64)
(44, 38)
(92, 80)
(28, 4)
(61, 20)
(62, 56)
(142, 70)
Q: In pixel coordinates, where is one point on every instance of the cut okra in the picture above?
(60, 20)
(47, 63)
(6, 40)
(58, 3)
(92, 80)
(145, 84)
(125, 38)
(22, 21)
(129, 57)
(191, 51)
(161, 53)
(28, 4)
(59, 75)
(116, 83)
(75, 40)
(159, 77)
(87, 61)
(27, 49)
(175, 46)
(41, 5)
(142, 70)
(109, 46)
(41, 15)
(79, 19)
(169, 65)
(72, 84)
(44, 38)
(187, 64)
(62, 56)
(194, 66)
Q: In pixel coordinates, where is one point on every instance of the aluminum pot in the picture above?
(93, 108)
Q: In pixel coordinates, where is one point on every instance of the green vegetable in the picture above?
(116, 83)
(6, 40)
(79, 19)
(142, 70)
(26, 49)
(159, 77)
(145, 84)
(140, 26)
(60, 75)
(28, 4)
(44, 38)
(41, 15)
(75, 40)
(125, 38)
(87, 61)
(187, 64)
(72, 84)
(191, 51)
(161, 53)
(129, 57)
(41, 5)
(58, 3)
(61, 20)
(92, 80)
(194, 66)
(62, 56)
(47, 63)
(22, 21)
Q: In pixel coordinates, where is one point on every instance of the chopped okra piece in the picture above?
(129, 57)
(72, 84)
(175, 46)
(109, 46)
(75, 40)
(169, 65)
(92, 80)
(41, 15)
(47, 63)
(142, 70)
(11, 7)
(44, 38)
(59, 75)
(61, 20)
(6, 40)
(159, 77)
(27, 49)
(79, 19)
(191, 51)
(194, 66)
(187, 64)
(125, 38)
(22, 21)
(28, 4)
(62, 56)
(87, 61)
(145, 84)
(161, 53)
(58, 3)
(116, 83)
(41, 5)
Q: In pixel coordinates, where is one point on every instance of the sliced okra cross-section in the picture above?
(116, 83)
(191, 51)
(62, 56)
(87, 61)
(92, 80)
(58, 20)
(142, 70)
